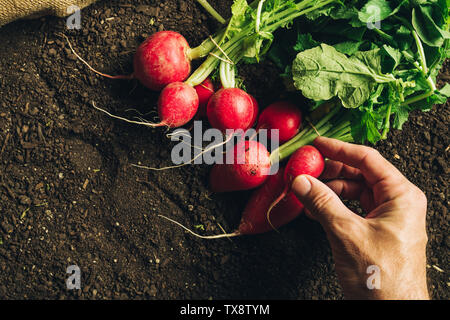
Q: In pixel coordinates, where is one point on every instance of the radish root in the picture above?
(226, 235)
(176, 134)
(256, 133)
(124, 77)
(185, 164)
(277, 200)
(312, 126)
(142, 122)
(205, 87)
(140, 113)
(228, 60)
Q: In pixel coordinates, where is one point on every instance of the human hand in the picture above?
(392, 237)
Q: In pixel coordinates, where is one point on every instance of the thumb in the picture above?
(323, 204)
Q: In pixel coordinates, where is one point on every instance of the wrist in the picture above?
(374, 283)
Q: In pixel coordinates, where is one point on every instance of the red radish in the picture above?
(254, 218)
(306, 160)
(205, 91)
(230, 108)
(163, 58)
(250, 168)
(177, 105)
(255, 110)
(282, 115)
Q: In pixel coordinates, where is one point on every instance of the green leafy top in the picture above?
(249, 34)
(379, 58)
(322, 73)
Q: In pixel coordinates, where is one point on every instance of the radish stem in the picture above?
(386, 122)
(258, 16)
(212, 11)
(264, 24)
(333, 125)
(205, 47)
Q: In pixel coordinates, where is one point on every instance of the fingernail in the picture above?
(301, 186)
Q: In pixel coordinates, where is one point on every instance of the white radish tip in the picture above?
(142, 122)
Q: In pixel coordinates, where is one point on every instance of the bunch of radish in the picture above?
(163, 63)
(274, 197)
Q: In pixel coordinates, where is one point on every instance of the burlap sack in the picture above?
(11, 10)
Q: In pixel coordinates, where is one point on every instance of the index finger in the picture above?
(374, 167)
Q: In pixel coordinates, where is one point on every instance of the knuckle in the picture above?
(420, 195)
(369, 155)
(371, 152)
(409, 234)
(417, 196)
(425, 238)
(400, 187)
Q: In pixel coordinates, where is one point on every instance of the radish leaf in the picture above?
(375, 10)
(322, 73)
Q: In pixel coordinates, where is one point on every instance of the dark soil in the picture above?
(69, 196)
